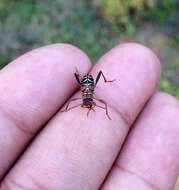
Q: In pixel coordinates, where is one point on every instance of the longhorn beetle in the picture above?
(87, 87)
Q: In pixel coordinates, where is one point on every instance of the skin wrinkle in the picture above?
(10, 184)
(20, 125)
(125, 116)
(119, 167)
(37, 184)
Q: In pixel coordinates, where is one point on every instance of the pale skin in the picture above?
(42, 148)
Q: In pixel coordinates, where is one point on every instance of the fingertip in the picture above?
(146, 53)
(166, 105)
(138, 55)
(165, 99)
(59, 53)
(70, 49)
(138, 70)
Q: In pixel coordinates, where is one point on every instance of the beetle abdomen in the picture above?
(87, 101)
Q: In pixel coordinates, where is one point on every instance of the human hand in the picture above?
(76, 152)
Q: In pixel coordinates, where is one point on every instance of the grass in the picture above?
(25, 25)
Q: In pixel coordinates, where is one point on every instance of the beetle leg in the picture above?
(72, 107)
(77, 76)
(98, 77)
(68, 103)
(106, 106)
(91, 108)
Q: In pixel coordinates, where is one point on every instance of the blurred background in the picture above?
(94, 26)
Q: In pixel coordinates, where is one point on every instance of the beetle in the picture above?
(87, 85)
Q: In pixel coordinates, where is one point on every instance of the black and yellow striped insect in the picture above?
(87, 88)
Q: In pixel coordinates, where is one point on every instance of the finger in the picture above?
(32, 89)
(75, 151)
(149, 159)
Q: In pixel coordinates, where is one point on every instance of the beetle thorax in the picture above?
(87, 89)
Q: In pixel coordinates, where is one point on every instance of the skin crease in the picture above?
(74, 152)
